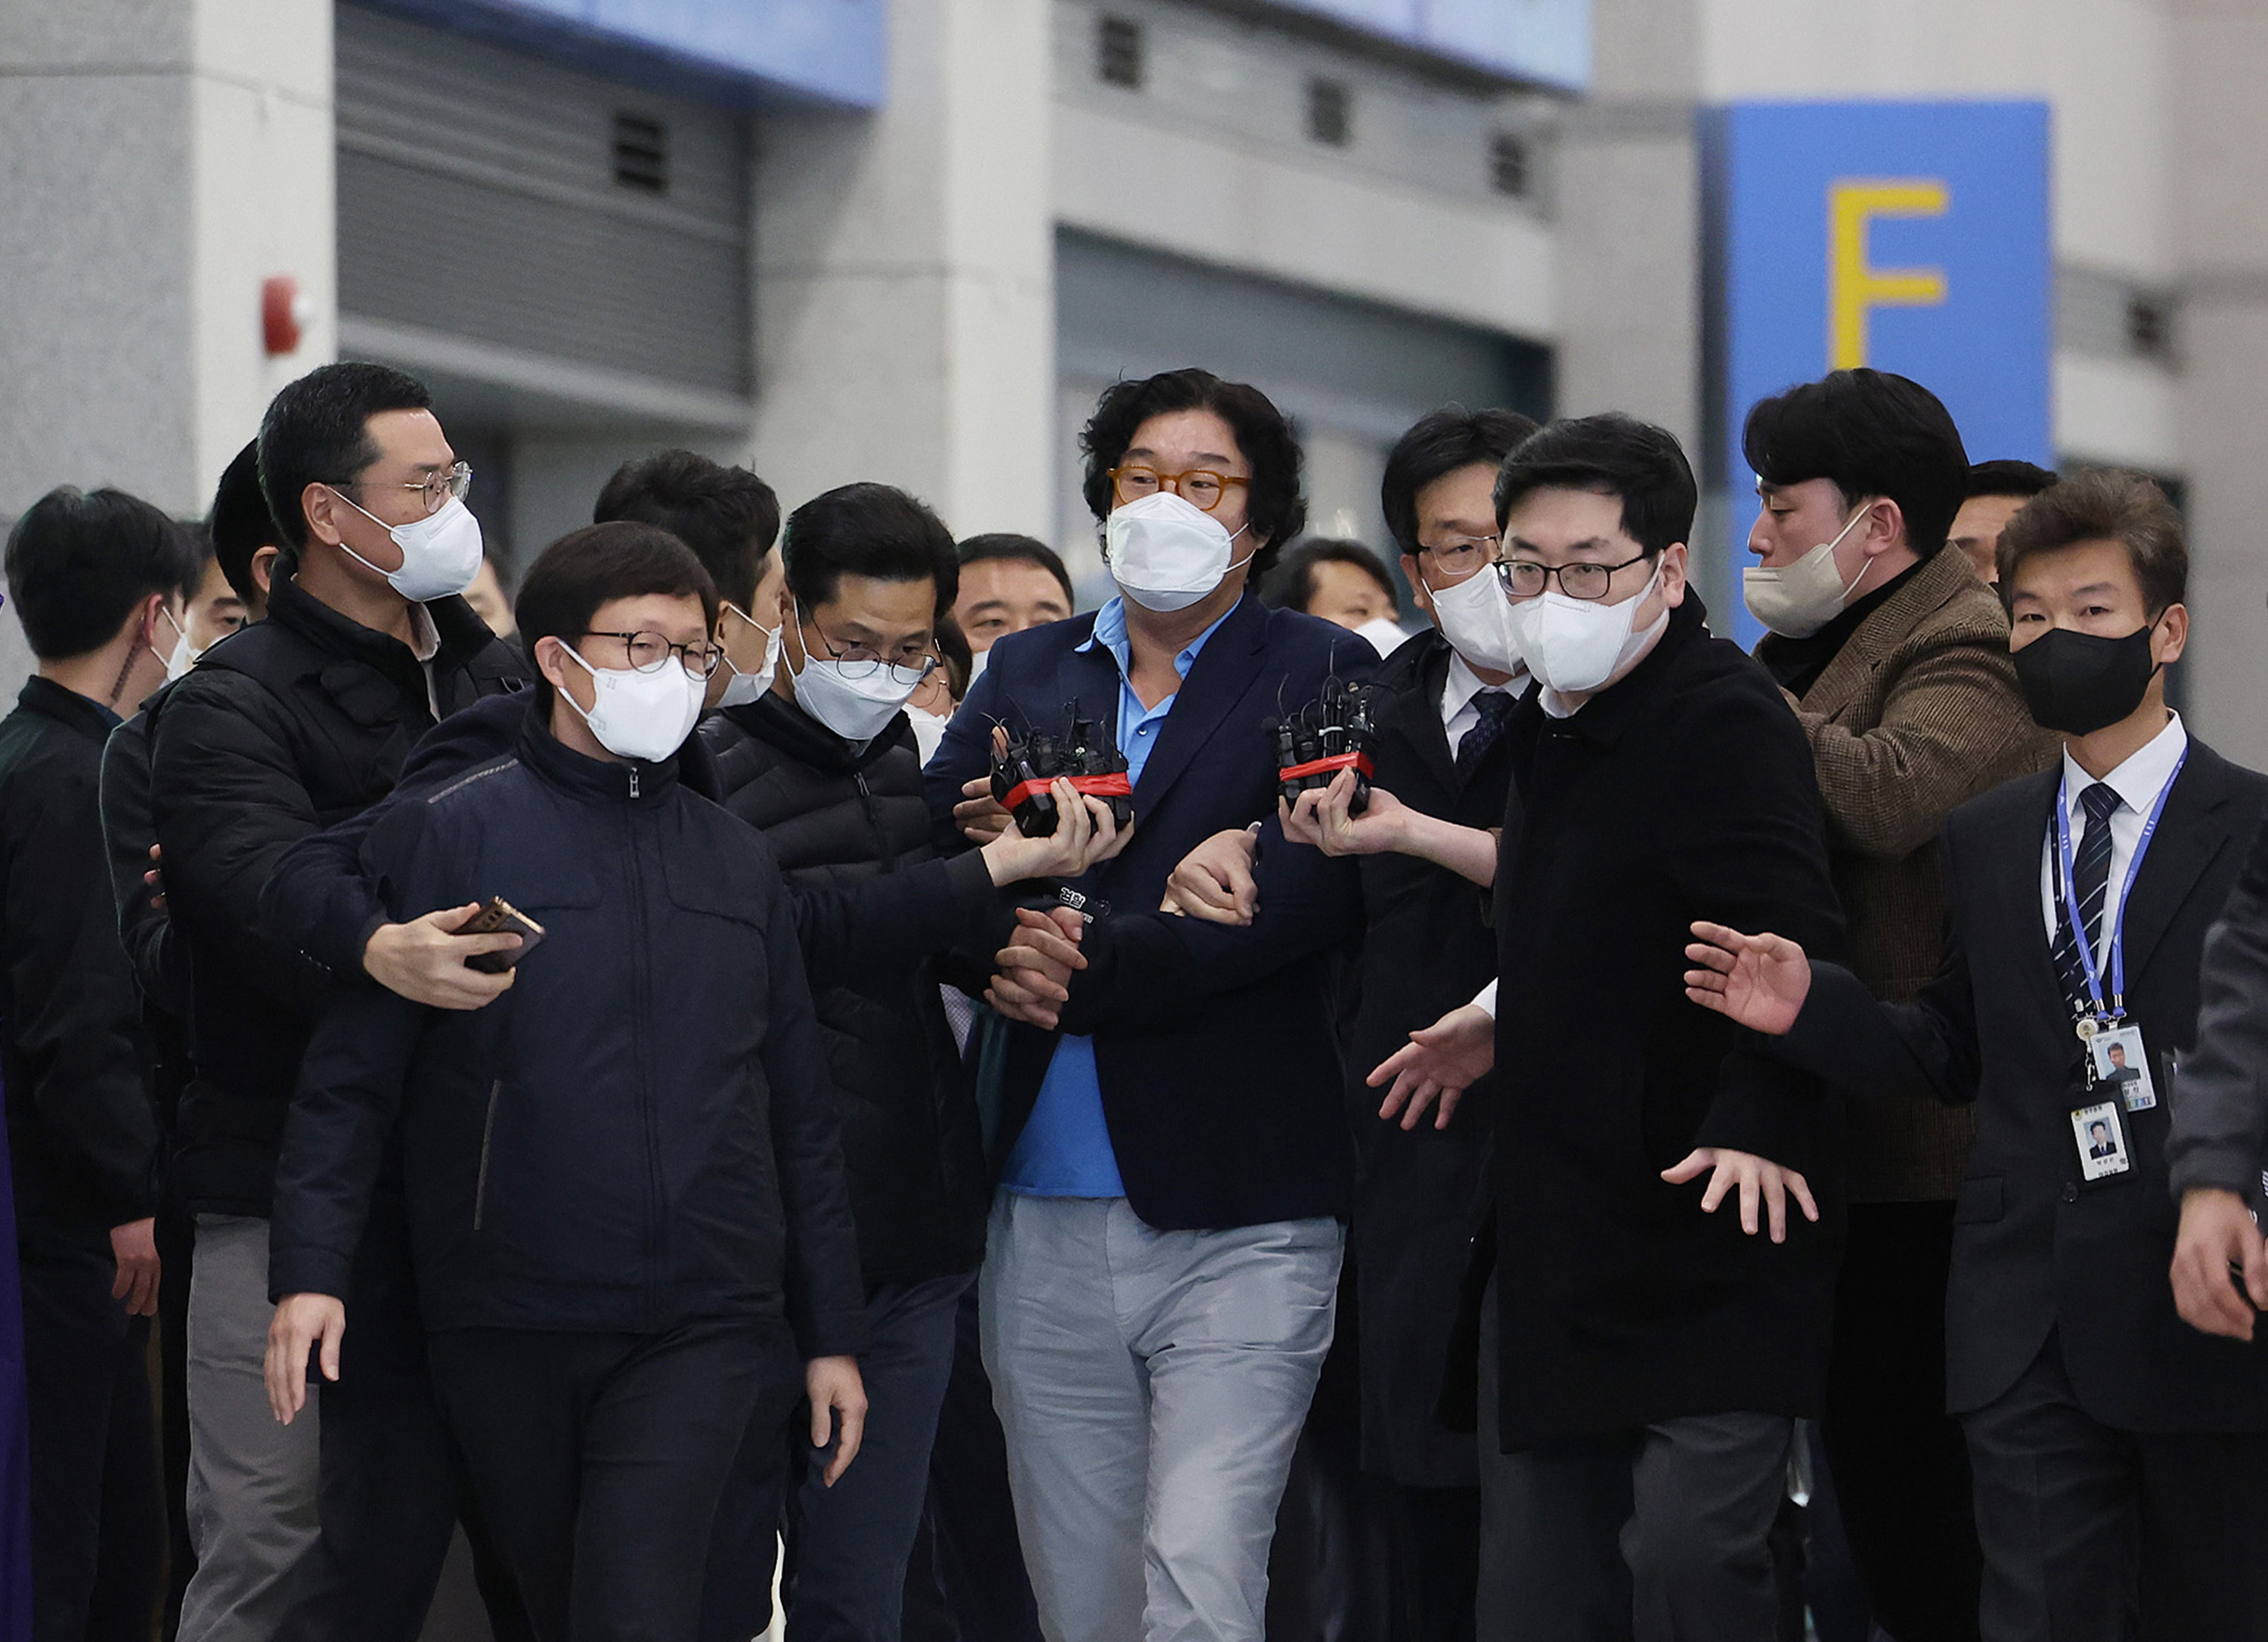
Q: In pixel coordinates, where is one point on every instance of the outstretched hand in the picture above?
(1438, 1064)
(1758, 981)
(1759, 1178)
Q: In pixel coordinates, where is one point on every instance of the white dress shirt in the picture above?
(2138, 783)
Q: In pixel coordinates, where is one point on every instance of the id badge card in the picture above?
(2121, 1063)
(2100, 1133)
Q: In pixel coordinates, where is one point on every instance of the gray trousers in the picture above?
(1654, 1534)
(251, 1481)
(1151, 1385)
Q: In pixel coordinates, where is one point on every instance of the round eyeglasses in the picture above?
(1201, 487)
(856, 661)
(650, 652)
(434, 489)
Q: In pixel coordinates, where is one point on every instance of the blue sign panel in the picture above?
(1911, 237)
(796, 51)
(1547, 42)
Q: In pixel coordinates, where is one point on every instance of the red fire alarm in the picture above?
(282, 313)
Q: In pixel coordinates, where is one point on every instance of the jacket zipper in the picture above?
(634, 785)
(488, 1134)
(640, 1032)
(874, 820)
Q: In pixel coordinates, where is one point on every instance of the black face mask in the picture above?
(2079, 683)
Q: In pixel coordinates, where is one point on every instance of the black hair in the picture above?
(727, 515)
(1276, 509)
(1873, 434)
(867, 530)
(593, 566)
(1294, 584)
(2104, 505)
(79, 561)
(241, 524)
(1437, 444)
(317, 432)
(2007, 476)
(952, 650)
(1025, 549)
(1640, 464)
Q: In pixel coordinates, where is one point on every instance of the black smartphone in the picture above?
(501, 918)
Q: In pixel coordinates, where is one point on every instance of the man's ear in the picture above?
(320, 505)
(1672, 575)
(263, 568)
(2173, 634)
(553, 662)
(1885, 527)
(1420, 594)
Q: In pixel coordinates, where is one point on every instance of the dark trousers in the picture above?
(1900, 1467)
(1660, 1534)
(1435, 1560)
(966, 1578)
(848, 1546)
(97, 1514)
(2092, 1534)
(598, 1460)
(177, 1243)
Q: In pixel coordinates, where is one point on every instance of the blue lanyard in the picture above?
(2117, 1008)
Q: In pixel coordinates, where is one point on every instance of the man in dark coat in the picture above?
(2117, 1452)
(97, 582)
(1654, 1353)
(295, 722)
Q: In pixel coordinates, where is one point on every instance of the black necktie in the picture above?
(2090, 876)
(1494, 707)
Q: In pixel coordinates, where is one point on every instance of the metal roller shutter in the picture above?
(516, 202)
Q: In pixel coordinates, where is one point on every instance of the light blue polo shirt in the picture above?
(1064, 1149)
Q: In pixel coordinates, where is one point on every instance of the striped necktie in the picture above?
(2091, 882)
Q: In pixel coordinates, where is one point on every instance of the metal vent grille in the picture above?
(1118, 52)
(641, 152)
(1330, 113)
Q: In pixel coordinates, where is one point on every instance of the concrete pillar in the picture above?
(164, 157)
(904, 276)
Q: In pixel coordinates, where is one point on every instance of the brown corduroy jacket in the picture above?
(1917, 713)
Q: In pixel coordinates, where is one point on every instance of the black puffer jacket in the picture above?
(639, 1133)
(295, 723)
(837, 814)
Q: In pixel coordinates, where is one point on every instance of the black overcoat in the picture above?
(1684, 791)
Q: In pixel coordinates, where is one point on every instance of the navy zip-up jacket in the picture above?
(640, 1131)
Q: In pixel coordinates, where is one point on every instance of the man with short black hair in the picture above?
(302, 719)
(1008, 583)
(2117, 1452)
(1344, 583)
(1997, 492)
(1896, 660)
(97, 581)
(1643, 1362)
(625, 1188)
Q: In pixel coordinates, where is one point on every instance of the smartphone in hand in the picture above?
(501, 918)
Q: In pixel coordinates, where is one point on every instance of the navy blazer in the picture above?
(2036, 1249)
(1216, 1048)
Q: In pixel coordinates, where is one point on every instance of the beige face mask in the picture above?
(1797, 600)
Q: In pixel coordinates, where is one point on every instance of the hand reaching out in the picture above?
(1440, 1062)
(1759, 1178)
(1758, 981)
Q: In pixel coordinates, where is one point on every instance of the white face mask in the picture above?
(1797, 600)
(976, 666)
(1575, 646)
(744, 687)
(1167, 554)
(929, 731)
(641, 715)
(182, 656)
(440, 553)
(855, 709)
(1476, 617)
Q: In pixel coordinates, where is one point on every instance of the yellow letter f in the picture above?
(1854, 288)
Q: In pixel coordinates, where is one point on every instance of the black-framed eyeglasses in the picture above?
(1461, 555)
(856, 661)
(434, 489)
(650, 652)
(1524, 578)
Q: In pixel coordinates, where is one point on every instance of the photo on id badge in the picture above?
(2102, 1140)
(2122, 1067)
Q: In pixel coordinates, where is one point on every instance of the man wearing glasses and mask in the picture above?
(299, 721)
(1162, 1268)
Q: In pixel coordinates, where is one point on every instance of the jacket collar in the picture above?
(1613, 710)
(778, 723)
(1215, 682)
(457, 627)
(1934, 584)
(69, 708)
(592, 780)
